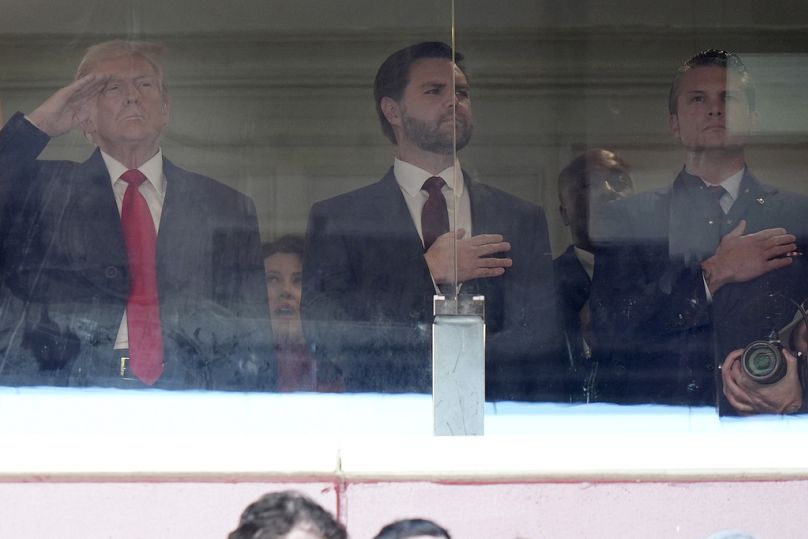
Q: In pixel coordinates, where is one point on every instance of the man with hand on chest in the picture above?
(688, 273)
(376, 256)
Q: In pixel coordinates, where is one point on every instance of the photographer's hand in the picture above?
(749, 397)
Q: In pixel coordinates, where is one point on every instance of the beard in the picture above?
(430, 137)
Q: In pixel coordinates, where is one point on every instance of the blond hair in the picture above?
(117, 48)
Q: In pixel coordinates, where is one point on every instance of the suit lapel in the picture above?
(391, 204)
(574, 283)
(178, 230)
(96, 241)
(694, 230)
(485, 219)
(399, 251)
(395, 218)
(756, 204)
(750, 310)
(481, 217)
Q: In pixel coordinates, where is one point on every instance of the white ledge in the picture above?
(69, 434)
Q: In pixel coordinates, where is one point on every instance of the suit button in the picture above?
(110, 272)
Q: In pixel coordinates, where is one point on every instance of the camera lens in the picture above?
(764, 362)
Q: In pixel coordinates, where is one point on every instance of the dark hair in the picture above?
(290, 243)
(275, 514)
(412, 527)
(394, 74)
(575, 176)
(708, 58)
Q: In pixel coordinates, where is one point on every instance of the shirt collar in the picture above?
(731, 185)
(152, 169)
(411, 178)
(586, 259)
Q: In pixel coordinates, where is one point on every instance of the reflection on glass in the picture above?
(276, 105)
(585, 186)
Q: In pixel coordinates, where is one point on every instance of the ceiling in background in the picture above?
(194, 16)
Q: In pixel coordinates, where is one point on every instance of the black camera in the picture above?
(763, 360)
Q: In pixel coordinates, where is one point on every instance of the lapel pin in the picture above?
(760, 200)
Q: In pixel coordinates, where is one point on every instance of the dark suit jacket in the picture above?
(659, 338)
(367, 294)
(574, 288)
(65, 274)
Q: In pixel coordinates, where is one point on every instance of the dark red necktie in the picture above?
(434, 215)
(717, 191)
(143, 307)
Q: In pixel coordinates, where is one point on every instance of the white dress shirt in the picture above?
(732, 186)
(153, 190)
(587, 260)
(411, 178)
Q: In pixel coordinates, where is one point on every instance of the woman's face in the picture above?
(284, 276)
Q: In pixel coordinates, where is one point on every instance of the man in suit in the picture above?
(376, 256)
(693, 271)
(587, 183)
(124, 270)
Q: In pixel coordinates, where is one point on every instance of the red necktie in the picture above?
(434, 215)
(143, 307)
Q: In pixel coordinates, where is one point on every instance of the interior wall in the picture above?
(283, 108)
(209, 509)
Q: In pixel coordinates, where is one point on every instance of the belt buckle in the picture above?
(123, 370)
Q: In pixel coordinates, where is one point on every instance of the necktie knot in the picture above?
(716, 191)
(133, 177)
(433, 185)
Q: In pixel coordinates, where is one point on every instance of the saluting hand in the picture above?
(67, 108)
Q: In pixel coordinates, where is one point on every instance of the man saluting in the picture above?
(124, 270)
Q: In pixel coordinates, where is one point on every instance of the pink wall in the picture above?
(124, 465)
(209, 508)
(587, 510)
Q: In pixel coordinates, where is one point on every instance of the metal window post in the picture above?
(458, 365)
